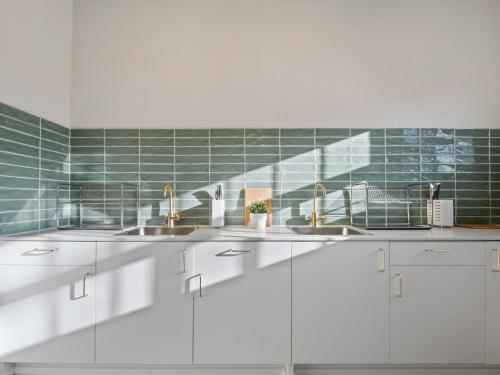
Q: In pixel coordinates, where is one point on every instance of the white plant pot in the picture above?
(258, 221)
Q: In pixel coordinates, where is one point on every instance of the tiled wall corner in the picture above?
(34, 157)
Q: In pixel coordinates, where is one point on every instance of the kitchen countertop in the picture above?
(240, 233)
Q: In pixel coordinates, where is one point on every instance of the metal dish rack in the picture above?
(73, 200)
(362, 194)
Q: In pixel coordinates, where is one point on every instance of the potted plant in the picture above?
(258, 214)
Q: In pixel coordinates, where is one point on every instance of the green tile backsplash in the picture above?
(36, 154)
(34, 157)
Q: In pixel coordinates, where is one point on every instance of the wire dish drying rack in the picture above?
(96, 206)
(363, 195)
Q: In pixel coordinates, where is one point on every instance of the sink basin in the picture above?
(332, 230)
(157, 231)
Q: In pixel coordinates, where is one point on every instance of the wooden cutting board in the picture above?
(479, 226)
(253, 194)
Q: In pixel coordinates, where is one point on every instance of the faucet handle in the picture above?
(174, 216)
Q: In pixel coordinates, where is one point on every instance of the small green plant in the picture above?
(258, 207)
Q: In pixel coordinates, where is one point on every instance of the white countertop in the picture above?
(239, 233)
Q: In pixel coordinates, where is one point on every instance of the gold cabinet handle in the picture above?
(37, 251)
(497, 268)
(233, 253)
(438, 250)
(381, 266)
(200, 294)
(399, 294)
(184, 269)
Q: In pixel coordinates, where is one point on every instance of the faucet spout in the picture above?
(171, 216)
(315, 217)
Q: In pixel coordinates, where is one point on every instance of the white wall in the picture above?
(35, 57)
(196, 63)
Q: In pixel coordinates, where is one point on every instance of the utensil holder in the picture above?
(440, 212)
(218, 208)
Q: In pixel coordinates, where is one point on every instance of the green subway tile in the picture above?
(83, 159)
(75, 141)
(401, 150)
(472, 132)
(25, 194)
(395, 141)
(156, 176)
(222, 159)
(120, 159)
(263, 159)
(83, 168)
(157, 150)
(122, 177)
(15, 171)
(18, 114)
(342, 142)
(134, 133)
(190, 185)
(470, 141)
(191, 150)
(121, 150)
(262, 141)
(184, 168)
(239, 150)
(402, 168)
(301, 133)
(402, 132)
(471, 150)
(157, 159)
(157, 142)
(235, 133)
(53, 175)
(89, 150)
(191, 176)
(179, 142)
(18, 205)
(438, 168)
(12, 228)
(436, 141)
(303, 142)
(473, 168)
(153, 133)
(94, 133)
(368, 132)
(186, 159)
(337, 132)
(19, 126)
(368, 142)
(161, 168)
(438, 159)
(380, 150)
(189, 133)
(437, 149)
(438, 132)
(87, 177)
(226, 176)
(121, 141)
(226, 142)
(262, 133)
(123, 168)
(55, 128)
(267, 150)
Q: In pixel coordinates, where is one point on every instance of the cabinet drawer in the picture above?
(437, 253)
(244, 254)
(47, 253)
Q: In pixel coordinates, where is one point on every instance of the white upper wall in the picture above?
(35, 57)
(284, 63)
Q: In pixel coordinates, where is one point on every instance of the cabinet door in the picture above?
(144, 312)
(47, 314)
(243, 316)
(437, 314)
(493, 304)
(340, 300)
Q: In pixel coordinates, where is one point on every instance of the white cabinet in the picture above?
(340, 302)
(243, 316)
(47, 313)
(144, 310)
(438, 310)
(493, 303)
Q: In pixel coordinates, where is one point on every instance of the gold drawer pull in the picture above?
(233, 253)
(381, 267)
(38, 252)
(184, 269)
(438, 250)
(399, 294)
(497, 268)
(200, 294)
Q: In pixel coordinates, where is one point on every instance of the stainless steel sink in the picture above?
(331, 230)
(157, 231)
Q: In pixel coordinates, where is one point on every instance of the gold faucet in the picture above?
(171, 216)
(315, 217)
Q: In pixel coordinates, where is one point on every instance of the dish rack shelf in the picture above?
(96, 206)
(363, 195)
